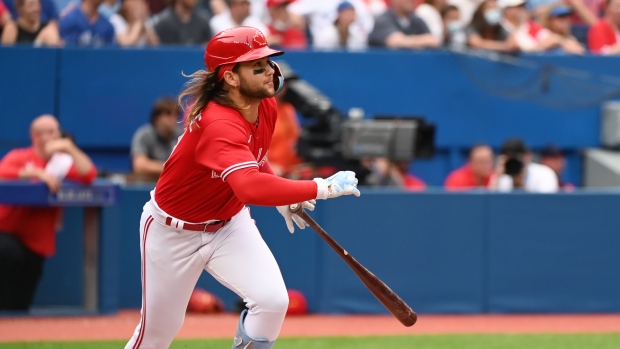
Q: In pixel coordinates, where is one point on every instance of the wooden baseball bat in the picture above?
(379, 289)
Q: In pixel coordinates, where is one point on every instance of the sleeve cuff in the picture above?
(322, 188)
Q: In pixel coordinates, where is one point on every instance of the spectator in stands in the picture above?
(238, 14)
(587, 12)
(604, 36)
(515, 170)
(152, 143)
(476, 173)
(28, 28)
(5, 17)
(399, 27)
(109, 7)
(49, 11)
(346, 32)
(529, 35)
(390, 173)
(130, 27)
(454, 31)
(430, 12)
(321, 15)
(183, 23)
(281, 30)
(466, 8)
(283, 156)
(554, 158)
(27, 234)
(486, 31)
(84, 26)
(156, 6)
(557, 21)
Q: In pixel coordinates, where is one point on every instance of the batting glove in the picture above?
(290, 217)
(341, 183)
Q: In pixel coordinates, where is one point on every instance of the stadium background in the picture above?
(442, 252)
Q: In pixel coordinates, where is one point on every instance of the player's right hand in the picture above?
(341, 183)
(290, 217)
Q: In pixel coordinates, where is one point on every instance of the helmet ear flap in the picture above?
(278, 79)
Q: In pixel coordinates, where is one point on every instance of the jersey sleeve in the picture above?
(256, 188)
(454, 181)
(86, 178)
(223, 148)
(10, 165)
(596, 38)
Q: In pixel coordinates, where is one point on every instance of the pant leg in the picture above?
(241, 261)
(20, 272)
(171, 266)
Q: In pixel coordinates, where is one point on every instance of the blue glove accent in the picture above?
(343, 183)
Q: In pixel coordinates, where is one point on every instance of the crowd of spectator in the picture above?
(568, 26)
(513, 169)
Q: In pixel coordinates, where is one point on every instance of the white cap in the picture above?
(510, 3)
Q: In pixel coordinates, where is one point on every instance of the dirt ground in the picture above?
(122, 325)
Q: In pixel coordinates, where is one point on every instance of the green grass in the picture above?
(469, 341)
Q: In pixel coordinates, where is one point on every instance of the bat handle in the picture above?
(296, 208)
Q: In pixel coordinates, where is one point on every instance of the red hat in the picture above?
(297, 304)
(275, 3)
(239, 44)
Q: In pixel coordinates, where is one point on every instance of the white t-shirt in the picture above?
(224, 21)
(328, 38)
(121, 27)
(432, 18)
(538, 179)
(466, 8)
(527, 35)
(323, 13)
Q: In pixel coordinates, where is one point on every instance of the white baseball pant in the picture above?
(173, 259)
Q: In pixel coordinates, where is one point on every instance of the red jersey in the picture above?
(34, 226)
(413, 183)
(601, 35)
(463, 178)
(2, 8)
(193, 187)
(292, 38)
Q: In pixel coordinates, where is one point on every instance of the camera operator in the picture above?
(392, 173)
(515, 170)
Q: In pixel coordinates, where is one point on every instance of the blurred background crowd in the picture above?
(302, 148)
(569, 26)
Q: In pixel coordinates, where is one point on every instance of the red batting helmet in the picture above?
(236, 45)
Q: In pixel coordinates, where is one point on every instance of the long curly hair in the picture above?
(202, 88)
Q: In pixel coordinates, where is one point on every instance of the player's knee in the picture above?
(273, 302)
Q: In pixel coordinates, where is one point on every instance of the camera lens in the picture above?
(513, 166)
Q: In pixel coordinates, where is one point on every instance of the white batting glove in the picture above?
(341, 183)
(290, 217)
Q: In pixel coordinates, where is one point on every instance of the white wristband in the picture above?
(322, 187)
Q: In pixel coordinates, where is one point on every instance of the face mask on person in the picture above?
(280, 25)
(493, 16)
(106, 10)
(454, 26)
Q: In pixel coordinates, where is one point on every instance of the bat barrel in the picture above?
(378, 288)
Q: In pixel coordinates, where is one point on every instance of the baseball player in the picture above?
(197, 216)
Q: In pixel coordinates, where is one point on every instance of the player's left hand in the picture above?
(290, 217)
